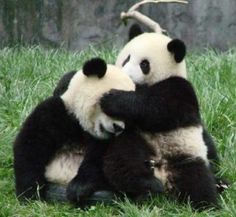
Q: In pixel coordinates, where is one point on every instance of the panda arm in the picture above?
(41, 135)
(163, 106)
(90, 176)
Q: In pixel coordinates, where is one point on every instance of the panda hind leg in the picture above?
(194, 181)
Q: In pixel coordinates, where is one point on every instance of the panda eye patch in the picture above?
(145, 66)
(126, 60)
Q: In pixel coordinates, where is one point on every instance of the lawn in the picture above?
(28, 75)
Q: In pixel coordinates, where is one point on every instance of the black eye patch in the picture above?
(126, 60)
(145, 66)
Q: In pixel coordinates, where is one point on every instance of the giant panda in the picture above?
(165, 110)
(170, 65)
(51, 143)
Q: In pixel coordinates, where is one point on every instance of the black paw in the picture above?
(111, 104)
(151, 185)
(78, 192)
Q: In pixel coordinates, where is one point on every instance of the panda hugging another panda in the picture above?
(159, 143)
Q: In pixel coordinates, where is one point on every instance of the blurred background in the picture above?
(74, 24)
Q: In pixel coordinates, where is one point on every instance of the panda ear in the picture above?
(134, 31)
(178, 48)
(95, 66)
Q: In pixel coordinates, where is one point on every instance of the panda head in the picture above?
(152, 57)
(86, 88)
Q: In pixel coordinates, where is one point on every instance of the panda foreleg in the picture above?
(90, 176)
(164, 106)
(193, 181)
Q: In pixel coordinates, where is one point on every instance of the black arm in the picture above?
(164, 106)
(90, 176)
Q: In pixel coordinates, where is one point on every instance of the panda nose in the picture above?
(117, 128)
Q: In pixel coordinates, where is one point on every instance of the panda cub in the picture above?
(165, 110)
(50, 146)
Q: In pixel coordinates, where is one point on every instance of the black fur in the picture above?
(145, 66)
(150, 111)
(134, 31)
(63, 83)
(126, 60)
(193, 181)
(95, 66)
(178, 48)
(166, 105)
(90, 177)
(44, 132)
(125, 167)
(212, 152)
(47, 129)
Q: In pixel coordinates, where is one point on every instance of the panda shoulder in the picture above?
(178, 88)
(51, 109)
(176, 83)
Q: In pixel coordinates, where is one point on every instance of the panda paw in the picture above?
(78, 192)
(112, 103)
(152, 185)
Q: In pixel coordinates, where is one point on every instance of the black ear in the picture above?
(178, 48)
(134, 31)
(95, 66)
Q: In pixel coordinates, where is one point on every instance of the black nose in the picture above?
(117, 128)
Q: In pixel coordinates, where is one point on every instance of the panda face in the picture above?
(137, 69)
(102, 126)
(152, 57)
(82, 99)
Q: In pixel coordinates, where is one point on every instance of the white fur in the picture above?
(153, 47)
(63, 168)
(83, 95)
(187, 140)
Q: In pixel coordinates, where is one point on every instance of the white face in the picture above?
(146, 59)
(83, 100)
(104, 127)
(133, 70)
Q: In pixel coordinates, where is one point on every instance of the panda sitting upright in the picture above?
(169, 137)
(165, 110)
(51, 143)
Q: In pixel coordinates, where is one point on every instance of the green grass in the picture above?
(28, 75)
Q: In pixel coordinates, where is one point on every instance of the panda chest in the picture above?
(64, 166)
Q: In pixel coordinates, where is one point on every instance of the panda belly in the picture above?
(64, 166)
(183, 141)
